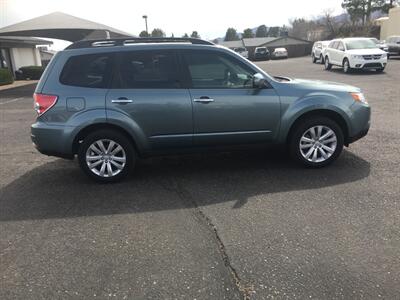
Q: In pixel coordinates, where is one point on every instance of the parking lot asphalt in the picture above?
(207, 226)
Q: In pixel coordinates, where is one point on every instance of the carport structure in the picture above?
(62, 26)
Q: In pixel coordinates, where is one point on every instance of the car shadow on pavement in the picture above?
(59, 189)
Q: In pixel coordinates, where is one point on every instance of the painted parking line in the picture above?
(12, 100)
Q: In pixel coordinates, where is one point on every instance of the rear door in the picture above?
(226, 107)
(147, 87)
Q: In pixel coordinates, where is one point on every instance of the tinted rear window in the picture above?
(149, 70)
(91, 70)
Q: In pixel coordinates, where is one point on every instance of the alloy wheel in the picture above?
(105, 158)
(318, 144)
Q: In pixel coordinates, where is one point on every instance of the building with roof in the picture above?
(17, 52)
(390, 25)
(295, 47)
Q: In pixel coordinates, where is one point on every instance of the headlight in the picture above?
(359, 97)
(357, 56)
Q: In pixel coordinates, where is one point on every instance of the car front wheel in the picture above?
(327, 64)
(316, 142)
(346, 66)
(106, 156)
(313, 58)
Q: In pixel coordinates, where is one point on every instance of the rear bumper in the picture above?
(52, 140)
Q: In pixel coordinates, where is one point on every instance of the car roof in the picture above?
(144, 46)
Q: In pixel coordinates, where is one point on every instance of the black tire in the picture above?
(117, 137)
(346, 66)
(302, 127)
(327, 65)
(313, 58)
(321, 59)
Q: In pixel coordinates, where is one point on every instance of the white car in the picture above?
(318, 51)
(355, 53)
(280, 53)
(242, 51)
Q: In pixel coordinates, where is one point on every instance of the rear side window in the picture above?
(91, 70)
(148, 70)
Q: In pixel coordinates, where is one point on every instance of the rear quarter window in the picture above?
(89, 70)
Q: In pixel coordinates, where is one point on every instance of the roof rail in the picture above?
(133, 40)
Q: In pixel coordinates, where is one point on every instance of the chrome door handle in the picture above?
(121, 101)
(203, 100)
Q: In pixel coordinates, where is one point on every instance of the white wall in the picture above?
(22, 57)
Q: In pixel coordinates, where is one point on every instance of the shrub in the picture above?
(5, 76)
(31, 72)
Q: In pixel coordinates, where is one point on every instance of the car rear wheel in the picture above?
(316, 142)
(327, 65)
(313, 58)
(346, 66)
(106, 156)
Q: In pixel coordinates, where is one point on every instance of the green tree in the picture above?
(157, 32)
(195, 35)
(274, 31)
(144, 33)
(247, 33)
(262, 31)
(231, 35)
(361, 10)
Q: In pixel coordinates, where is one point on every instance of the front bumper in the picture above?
(368, 63)
(360, 121)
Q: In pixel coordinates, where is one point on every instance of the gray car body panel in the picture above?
(160, 119)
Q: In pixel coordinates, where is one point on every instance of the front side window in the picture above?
(340, 46)
(149, 70)
(217, 70)
(91, 70)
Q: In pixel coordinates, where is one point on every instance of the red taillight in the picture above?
(43, 103)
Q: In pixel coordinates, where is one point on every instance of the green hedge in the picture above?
(31, 72)
(5, 76)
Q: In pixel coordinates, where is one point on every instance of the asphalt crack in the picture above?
(245, 290)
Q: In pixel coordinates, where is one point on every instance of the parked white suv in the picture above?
(318, 51)
(242, 51)
(355, 53)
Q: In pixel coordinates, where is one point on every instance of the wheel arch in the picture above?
(331, 114)
(85, 131)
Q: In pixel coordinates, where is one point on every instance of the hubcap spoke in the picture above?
(101, 146)
(110, 146)
(117, 158)
(95, 164)
(94, 148)
(91, 158)
(117, 165)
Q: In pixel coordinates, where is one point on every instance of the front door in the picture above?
(227, 109)
(148, 89)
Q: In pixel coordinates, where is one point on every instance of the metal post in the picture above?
(145, 20)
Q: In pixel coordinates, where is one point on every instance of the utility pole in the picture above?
(145, 20)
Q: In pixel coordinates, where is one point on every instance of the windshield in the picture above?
(360, 44)
(261, 50)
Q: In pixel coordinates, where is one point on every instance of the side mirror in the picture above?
(259, 81)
